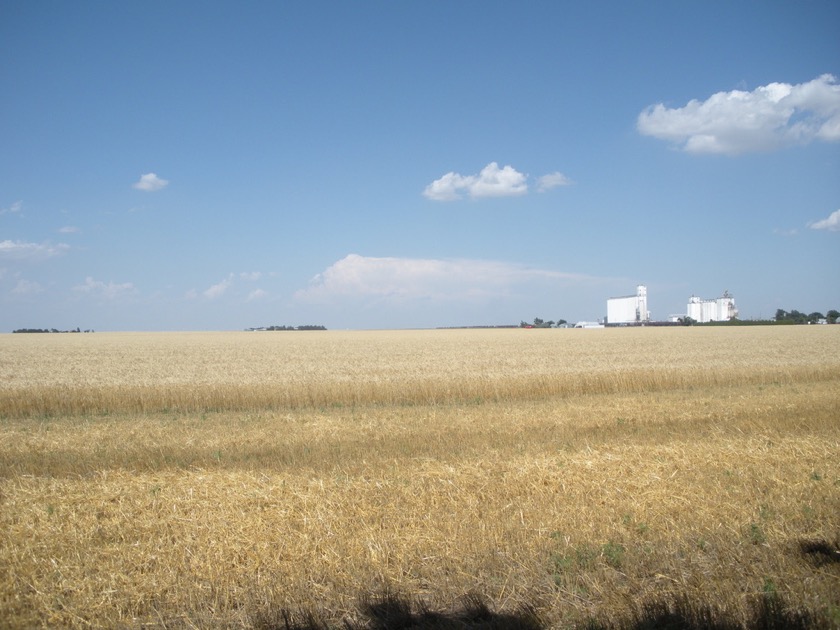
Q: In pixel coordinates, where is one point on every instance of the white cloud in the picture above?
(447, 188)
(34, 252)
(498, 182)
(14, 208)
(492, 181)
(830, 223)
(770, 117)
(150, 183)
(233, 280)
(219, 289)
(68, 229)
(552, 180)
(108, 291)
(406, 279)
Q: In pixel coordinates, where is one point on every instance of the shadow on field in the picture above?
(768, 612)
(819, 552)
(395, 612)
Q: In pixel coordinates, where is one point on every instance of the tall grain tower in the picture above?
(629, 310)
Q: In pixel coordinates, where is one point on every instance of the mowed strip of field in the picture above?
(577, 503)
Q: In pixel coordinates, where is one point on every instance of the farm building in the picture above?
(584, 324)
(717, 310)
(631, 309)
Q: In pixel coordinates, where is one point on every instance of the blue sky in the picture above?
(206, 165)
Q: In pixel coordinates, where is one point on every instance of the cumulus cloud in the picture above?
(33, 252)
(219, 289)
(831, 223)
(17, 206)
(492, 181)
(770, 117)
(405, 279)
(150, 182)
(232, 285)
(447, 188)
(552, 180)
(106, 290)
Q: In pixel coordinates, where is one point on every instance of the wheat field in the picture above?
(223, 479)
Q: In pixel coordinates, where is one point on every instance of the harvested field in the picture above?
(220, 479)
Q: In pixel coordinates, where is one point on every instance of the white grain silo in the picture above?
(718, 310)
(630, 309)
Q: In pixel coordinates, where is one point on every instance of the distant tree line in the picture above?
(539, 323)
(795, 317)
(782, 317)
(307, 327)
(48, 330)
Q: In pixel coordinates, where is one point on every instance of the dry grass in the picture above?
(578, 472)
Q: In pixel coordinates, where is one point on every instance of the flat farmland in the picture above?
(240, 479)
